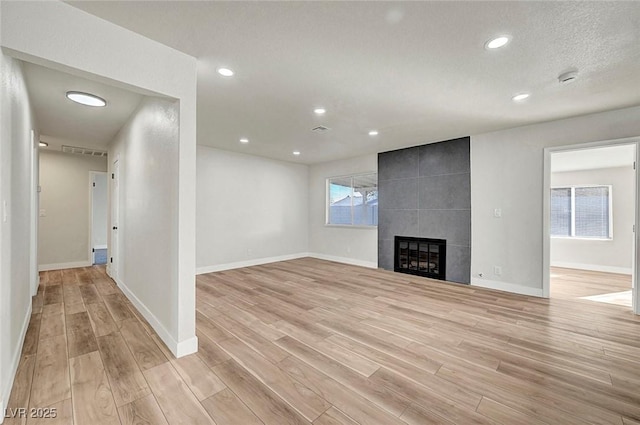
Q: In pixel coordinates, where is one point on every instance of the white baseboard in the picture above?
(13, 367)
(506, 287)
(249, 263)
(344, 260)
(592, 267)
(187, 347)
(100, 247)
(178, 349)
(60, 266)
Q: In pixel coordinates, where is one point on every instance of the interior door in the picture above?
(114, 258)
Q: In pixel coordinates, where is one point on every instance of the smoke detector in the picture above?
(320, 129)
(568, 77)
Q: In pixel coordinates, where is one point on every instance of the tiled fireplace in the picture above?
(425, 192)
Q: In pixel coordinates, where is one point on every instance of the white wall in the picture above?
(613, 255)
(507, 173)
(65, 200)
(146, 148)
(16, 157)
(350, 245)
(250, 210)
(42, 32)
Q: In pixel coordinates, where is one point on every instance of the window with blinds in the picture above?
(581, 212)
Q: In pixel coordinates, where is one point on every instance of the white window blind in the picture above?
(581, 212)
(592, 212)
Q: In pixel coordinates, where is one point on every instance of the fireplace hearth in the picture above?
(421, 256)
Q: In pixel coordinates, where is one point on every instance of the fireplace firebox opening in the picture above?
(421, 256)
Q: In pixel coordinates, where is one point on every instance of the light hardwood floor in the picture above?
(575, 284)
(309, 341)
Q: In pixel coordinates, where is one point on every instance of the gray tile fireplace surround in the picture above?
(425, 191)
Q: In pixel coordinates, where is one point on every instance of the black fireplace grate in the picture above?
(421, 256)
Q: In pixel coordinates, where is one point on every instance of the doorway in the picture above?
(590, 216)
(99, 209)
(114, 257)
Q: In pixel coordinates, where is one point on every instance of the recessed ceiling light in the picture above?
(244, 140)
(43, 144)
(319, 111)
(296, 153)
(86, 99)
(225, 72)
(520, 97)
(373, 133)
(497, 42)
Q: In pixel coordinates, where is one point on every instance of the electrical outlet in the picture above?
(497, 270)
(497, 213)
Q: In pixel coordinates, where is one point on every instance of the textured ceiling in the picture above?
(61, 121)
(416, 71)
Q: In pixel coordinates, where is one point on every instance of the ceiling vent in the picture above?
(320, 129)
(84, 151)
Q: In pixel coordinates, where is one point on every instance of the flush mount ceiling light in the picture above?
(497, 42)
(86, 99)
(319, 111)
(225, 72)
(373, 133)
(296, 153)
(520, 97)
(43, 144)
(244, 140)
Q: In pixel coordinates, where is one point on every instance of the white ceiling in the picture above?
(61, 121)
(589, 159)
(416, 71)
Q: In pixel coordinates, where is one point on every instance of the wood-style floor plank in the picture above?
(19, 397)
(101, 320)
(93, 401)
(178, 404)
(51, 375)
(144, 411)
(80, 337)
(227, 409)
(126, 379)
(197, 375)
(144, 350)
(263, 402)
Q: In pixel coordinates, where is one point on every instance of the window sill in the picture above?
(349, 226)
(577, 238)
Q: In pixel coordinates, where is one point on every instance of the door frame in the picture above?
(92, 174)
(546, 211)
(113, 258)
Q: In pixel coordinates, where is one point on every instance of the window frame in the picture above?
(573, 236)
(327, 202)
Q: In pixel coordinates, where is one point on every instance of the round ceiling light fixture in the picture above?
(520, 97)
(86, 99)
(319, 111)
(225, 72)
(244, 140)
(373, 133)
(296, 153)
(497, 42)
(43, 144)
